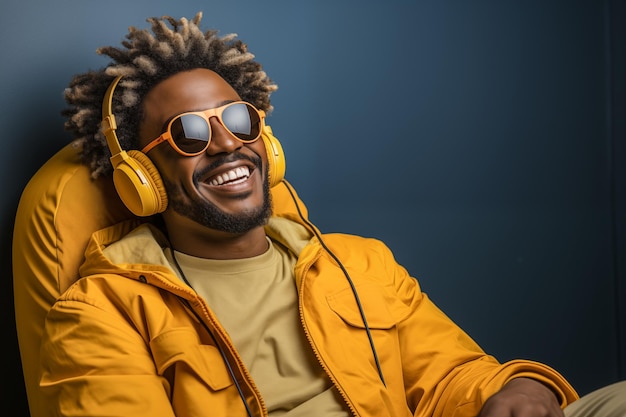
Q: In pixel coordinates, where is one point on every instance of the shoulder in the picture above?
(354, 246)
(366, 259)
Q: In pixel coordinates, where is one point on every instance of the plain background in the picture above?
(483, 141)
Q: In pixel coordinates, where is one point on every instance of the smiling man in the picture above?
(221, 298)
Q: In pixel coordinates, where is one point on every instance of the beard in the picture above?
(209, 215)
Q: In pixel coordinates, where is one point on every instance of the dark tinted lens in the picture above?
(242, 120)
(190, 133)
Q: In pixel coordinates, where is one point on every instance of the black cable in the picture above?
(345, 272)
(217, 344)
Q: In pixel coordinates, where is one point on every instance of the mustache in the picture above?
(225, 159)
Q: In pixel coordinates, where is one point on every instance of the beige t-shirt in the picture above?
(255, 299)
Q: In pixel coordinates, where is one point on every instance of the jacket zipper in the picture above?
(233, 352)
(210, 322)
(344, 396)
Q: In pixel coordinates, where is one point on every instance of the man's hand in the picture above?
(522, 397)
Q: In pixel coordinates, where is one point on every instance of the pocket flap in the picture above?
(374, 300)
(183, 345)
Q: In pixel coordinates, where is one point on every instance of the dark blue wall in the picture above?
(483, 141)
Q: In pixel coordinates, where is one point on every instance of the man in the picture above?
(216, 305)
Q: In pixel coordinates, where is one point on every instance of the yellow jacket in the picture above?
(131, 339)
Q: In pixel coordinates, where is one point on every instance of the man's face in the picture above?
(224, 188)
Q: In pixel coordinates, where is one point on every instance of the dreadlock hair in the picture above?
(146, 59)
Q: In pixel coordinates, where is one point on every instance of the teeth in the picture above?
(238, 174)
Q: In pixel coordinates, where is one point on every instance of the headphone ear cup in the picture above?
(276, 163)
(136, 179)
(139, 184)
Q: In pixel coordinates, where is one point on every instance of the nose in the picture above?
(222, 141)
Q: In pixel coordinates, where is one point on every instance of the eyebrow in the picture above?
(220, 104)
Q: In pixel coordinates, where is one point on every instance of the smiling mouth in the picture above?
(234, 176)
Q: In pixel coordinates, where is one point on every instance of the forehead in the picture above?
(197, 89)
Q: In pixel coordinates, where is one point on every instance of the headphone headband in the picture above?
(108, 124)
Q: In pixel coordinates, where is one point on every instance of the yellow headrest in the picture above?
(59, 209)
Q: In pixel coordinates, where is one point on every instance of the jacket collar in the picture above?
(133, 248)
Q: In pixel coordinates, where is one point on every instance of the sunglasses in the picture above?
(190, 133)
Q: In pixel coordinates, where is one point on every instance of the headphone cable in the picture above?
(348, 278)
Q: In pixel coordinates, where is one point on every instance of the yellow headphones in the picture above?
(138, 182)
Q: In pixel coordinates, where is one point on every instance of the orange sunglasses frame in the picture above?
(206, 115)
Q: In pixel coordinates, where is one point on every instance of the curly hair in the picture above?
(145, 60)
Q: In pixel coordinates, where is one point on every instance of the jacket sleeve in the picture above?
(446, 373)
(94, 363)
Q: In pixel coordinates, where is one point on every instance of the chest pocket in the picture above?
(182, 346)
(382, 310)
